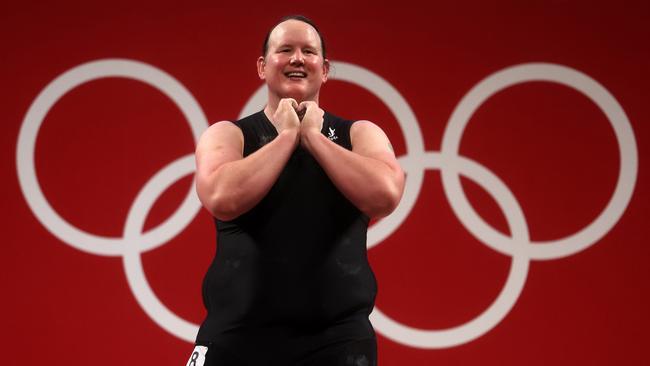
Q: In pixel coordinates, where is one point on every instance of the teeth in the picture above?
(296, 74)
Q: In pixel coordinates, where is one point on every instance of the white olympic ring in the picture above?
(622, 130)
(69, 80)
(519, 246)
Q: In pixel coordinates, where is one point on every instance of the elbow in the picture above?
(220, 199)
(223, 207)
(385, 208)
(385, 201)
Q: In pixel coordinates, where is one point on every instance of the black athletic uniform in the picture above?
(290, 283)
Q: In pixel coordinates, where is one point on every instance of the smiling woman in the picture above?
(293, 62)
(292, 189)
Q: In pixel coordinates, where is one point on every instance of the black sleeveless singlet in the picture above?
(291, 275)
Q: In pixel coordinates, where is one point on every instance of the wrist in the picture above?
(291, 134)
(308, 136)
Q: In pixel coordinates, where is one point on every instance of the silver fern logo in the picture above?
(331, 135)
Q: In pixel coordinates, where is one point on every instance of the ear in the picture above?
(326, 70)
(261, 65)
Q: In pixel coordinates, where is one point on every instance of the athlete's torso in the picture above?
(296, 263)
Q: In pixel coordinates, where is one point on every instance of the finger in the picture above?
(307, 104)
(287, 102)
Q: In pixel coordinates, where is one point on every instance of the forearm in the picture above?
(237, 186)
(372, 185)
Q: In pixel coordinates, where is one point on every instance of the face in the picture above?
(294, 66)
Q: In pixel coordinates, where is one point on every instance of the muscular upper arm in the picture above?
(369, 140)
(221, 143)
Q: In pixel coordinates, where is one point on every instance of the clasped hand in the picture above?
(304, 118)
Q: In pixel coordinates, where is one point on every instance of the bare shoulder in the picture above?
(366, 134)
(364, 126)
(221, 133)
(221, 127)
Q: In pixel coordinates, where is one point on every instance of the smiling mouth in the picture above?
(295, 75)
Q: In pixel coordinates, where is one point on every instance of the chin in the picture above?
(297, 92)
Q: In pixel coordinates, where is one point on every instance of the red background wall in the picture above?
(549, 144)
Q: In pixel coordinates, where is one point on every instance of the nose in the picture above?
(297, 58)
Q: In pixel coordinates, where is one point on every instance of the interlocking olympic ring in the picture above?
(415, 162)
